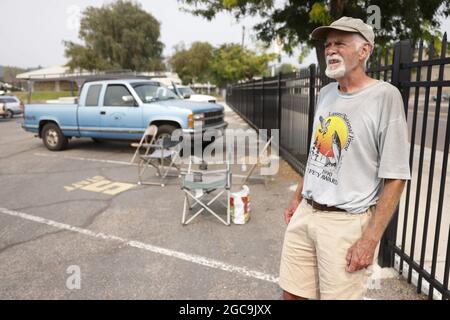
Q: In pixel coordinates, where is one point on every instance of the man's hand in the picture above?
(289, 212)
(361, 254)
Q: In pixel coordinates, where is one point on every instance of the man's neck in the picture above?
(354, 82)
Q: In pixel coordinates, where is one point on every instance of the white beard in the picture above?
(339, 72)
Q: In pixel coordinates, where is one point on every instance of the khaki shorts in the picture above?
(314, 250)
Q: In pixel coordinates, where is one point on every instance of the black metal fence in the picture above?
(417, 241)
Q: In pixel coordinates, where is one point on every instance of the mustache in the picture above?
(334, 57)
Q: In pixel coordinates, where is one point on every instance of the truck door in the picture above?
(121, 116)
(89, 111)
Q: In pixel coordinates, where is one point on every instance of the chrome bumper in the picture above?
(220, 128)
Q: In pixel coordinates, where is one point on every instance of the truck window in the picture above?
(114, 94)
(93, 95)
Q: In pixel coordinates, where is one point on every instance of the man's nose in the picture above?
(330, 50)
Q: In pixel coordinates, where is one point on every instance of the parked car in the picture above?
(121, 110)
(187, 93)
(444, 97)
(10, 106)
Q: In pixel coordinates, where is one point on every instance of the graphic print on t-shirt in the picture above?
(333, 137)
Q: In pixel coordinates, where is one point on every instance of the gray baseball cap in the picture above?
(346, 24)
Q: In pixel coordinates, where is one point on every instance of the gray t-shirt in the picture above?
(358, 140)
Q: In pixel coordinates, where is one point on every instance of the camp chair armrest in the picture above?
(205, 172)
(151, 145)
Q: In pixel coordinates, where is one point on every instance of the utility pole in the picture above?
(243, 37)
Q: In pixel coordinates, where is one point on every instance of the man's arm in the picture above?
(361, 254)
(289, 212)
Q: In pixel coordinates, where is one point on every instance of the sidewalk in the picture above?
(387, 283)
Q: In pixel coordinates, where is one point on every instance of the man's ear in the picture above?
(365, 51)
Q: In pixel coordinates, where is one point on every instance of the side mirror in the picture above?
(129, 100)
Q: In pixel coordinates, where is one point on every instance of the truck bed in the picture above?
(65, 115)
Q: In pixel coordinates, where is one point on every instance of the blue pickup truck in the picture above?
(120, 110)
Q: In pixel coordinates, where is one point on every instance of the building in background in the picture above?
(61, 78)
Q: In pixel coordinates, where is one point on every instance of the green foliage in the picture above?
(120, 35)
(191, 64)
(294, 20)
(304, 52)
(9, 73)
(209, 8)
(231, 63)
(319, 14)
(284, 68)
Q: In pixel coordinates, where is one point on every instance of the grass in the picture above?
(42, 96)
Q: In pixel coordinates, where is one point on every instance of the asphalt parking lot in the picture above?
(75, 225)
(126, 240)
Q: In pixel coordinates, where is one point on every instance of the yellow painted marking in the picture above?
(98, 186)
(117, 187)
(101, 185)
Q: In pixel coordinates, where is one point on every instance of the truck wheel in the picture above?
(53, 138)
(9, 114)
(165, 130)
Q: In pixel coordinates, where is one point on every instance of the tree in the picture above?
(231, 63)
(10, 73)
(286, 68)
(294, 20)
(120, 35)
(191, 64)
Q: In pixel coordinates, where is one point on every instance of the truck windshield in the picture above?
(151, 93)
(186, 90)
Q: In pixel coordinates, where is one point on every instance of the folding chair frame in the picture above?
(187, 206)
(149, 131)
(255, 165)
(163, 174)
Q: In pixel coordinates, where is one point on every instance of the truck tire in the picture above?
(53, 137)
(165, 130)
(9, 114)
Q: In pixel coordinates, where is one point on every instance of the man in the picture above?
(355, 174)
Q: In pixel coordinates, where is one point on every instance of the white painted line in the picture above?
(86, 159)
(211, 263)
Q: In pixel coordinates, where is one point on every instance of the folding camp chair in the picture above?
(200, 184)
(161, 155)
(148, 137)
(260, 162)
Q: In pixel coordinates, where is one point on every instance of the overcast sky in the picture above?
(32, 32)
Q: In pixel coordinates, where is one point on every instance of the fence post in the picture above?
(279, 101)
(30, 90)
(261, 123)
(402, 54)
(312, 100)
(252, 115)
